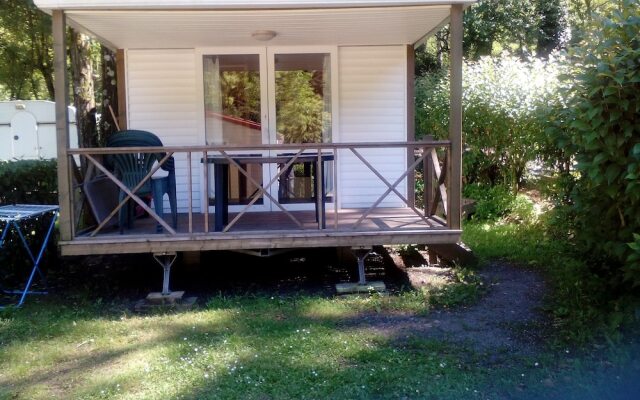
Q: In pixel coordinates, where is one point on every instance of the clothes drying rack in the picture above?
(13, 217)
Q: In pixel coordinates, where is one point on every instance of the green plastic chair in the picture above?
(131, 168)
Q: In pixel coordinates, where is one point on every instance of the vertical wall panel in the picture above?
(373, 106)
(162, 99)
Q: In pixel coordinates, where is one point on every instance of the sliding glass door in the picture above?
(235, 114)
(269, 97)
(300, 106)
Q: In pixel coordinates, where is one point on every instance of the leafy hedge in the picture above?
(599, 129)
(501, 128)
(28, 181)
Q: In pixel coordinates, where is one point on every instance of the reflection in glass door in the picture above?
(299, 104)
(302, 108)
(233, 116)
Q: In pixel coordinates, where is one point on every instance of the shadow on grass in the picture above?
(92, 294)
(264, 329)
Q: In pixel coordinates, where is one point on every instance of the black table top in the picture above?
(261, 159)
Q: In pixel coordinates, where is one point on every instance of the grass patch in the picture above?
(253, 348)
(293, 344)
(464, 288)
(578, 302)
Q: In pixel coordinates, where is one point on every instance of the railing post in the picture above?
(190, 189)
(320, 190)
(62, 123)
(455, 121)
(411, 134)
(427, 176)
(205, 162)
(335, 188)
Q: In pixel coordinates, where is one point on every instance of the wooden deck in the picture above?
(262, 230)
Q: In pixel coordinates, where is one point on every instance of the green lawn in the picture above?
(301, 347)
(274, 344)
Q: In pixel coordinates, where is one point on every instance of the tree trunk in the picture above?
(83, 89)
(109, 94)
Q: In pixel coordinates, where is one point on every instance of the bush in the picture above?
(501, 127)
(599, 129)
(497, 202)
(28, 181)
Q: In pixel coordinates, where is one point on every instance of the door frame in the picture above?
(267, 108)
(261, 52)
(271, 52)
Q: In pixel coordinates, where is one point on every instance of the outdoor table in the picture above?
(221, 178)
(13, 216)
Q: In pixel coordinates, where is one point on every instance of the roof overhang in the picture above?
(209, 23)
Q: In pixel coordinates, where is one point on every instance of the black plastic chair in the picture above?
(131, 168)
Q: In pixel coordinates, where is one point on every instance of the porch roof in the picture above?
(211, 23)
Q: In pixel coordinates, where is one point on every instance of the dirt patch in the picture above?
(507, 317)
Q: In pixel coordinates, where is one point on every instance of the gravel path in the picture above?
(506, 317)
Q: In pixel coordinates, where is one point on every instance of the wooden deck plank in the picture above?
(269, 230)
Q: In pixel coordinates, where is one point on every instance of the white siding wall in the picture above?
(373, 104)
(161, 98)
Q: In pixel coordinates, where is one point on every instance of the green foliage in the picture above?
(580, 302)
(632, 270)
(465, 289)
(552, 26)
(525, 27)
(599, 130)
(508, 22)
(300, 107)
(492, 202)
(26, 46)
(522, 27)
(28, 181)
(241, 91)
(497, 202)
(581, 14)
(501, 127)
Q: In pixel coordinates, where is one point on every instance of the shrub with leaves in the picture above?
(501, 127)
(600, 129)
(498, 202)
(28, 181)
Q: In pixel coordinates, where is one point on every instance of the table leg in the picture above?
(323, 190)
(221, 187)
(225, 197)
(324, 200)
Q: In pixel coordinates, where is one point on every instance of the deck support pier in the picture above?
(361, 254)
(166, 297)
(362, 286)
(165, 260)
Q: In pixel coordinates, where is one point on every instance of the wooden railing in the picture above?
(425, 158)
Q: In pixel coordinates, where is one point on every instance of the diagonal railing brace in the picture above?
(131, 193)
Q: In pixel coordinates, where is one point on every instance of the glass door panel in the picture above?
(233, 98)
(302, 108)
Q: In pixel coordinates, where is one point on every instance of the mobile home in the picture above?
(290, 123)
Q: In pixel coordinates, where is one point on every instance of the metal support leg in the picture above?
(362, 286)
(35, 260)
(361, 254)
(165, 260)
